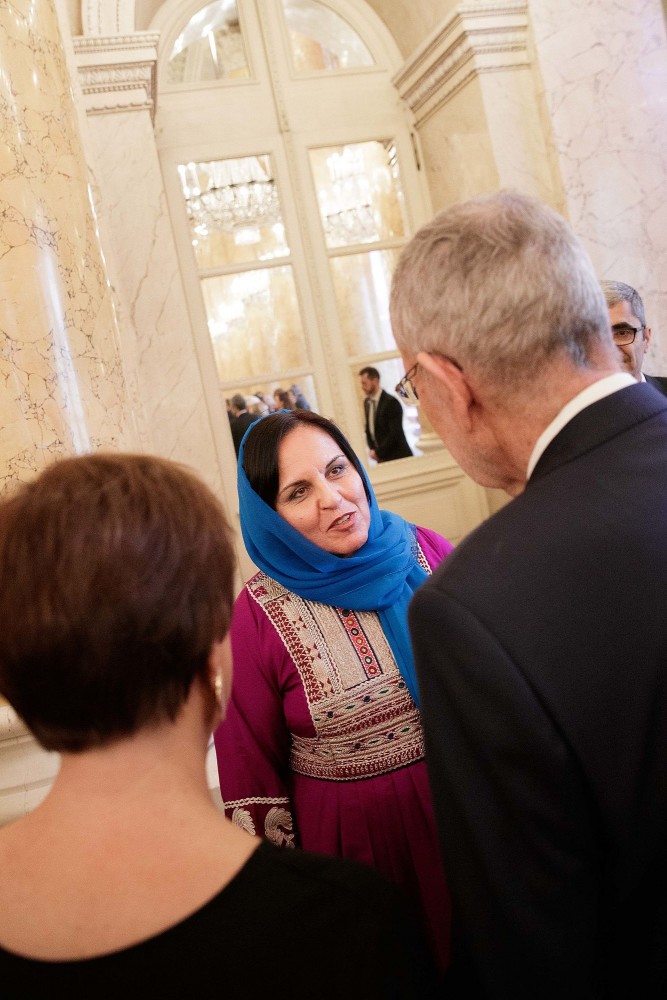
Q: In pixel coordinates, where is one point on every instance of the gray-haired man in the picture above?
(541, 643)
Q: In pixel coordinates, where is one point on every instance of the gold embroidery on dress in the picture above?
(275, 819)
(366, 723)
(242, 818)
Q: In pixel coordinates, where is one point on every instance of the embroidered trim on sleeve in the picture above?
(258, 801)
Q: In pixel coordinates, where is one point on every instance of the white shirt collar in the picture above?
(591, 394)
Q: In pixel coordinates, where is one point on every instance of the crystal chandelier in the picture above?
(230, 195)
(346, 205)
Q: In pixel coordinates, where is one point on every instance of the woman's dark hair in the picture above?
(116, 578)
(260, 451)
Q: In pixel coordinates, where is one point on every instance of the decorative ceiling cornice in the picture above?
(118, 72)
(476, 38)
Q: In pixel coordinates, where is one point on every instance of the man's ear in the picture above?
(453, 381)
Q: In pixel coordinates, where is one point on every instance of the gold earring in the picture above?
(217, 688)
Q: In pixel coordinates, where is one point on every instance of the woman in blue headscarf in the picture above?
(322, 746)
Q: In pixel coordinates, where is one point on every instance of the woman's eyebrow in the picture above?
(304, 482)
(292, 485)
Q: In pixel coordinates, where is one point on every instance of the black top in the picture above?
(290, 924)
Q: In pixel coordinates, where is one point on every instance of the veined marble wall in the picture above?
(604, 73)
(63, 384)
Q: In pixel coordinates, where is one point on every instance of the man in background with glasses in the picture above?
(631, 334)
(541, 643)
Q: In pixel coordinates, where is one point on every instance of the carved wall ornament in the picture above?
(118, 72)
(477, 38)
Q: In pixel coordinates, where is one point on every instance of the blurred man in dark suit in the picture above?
(383, 419)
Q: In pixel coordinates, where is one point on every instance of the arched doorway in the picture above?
(292, 181)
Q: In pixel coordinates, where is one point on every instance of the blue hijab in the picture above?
(381, 576)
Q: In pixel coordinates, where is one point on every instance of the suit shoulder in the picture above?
(658, 382)
(391, 400)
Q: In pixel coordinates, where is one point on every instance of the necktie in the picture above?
(370, 414)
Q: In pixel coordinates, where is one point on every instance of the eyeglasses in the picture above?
(625, 334)
(406, 389)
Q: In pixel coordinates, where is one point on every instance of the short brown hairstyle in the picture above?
(116, 577)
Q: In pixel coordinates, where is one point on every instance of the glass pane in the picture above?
(359, 192)
(391, 372)
(362, 283)
(322, 40)
(254, 323)
(210, 47)
(233, 210)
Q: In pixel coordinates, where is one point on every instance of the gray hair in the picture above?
(618, 291)
(501, 284)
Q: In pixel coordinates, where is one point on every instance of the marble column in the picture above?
(117, 79)
(63, 385)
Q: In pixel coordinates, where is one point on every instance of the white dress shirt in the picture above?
(372, 404)
(591, 394)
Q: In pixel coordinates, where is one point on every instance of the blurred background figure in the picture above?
(300, 400)
(383, 416)
(256, 406)
(127, 879)
(322, 745)
(240, 420)
(267, 400)
(284, 399)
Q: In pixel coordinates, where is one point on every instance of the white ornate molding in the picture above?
(476, 38)
(118, 72)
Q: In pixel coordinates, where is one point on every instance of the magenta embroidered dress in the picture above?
(322, 745)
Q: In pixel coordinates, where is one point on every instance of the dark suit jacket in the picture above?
(541, 652)
(240, 425)
(389, 440)
(658, 382)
